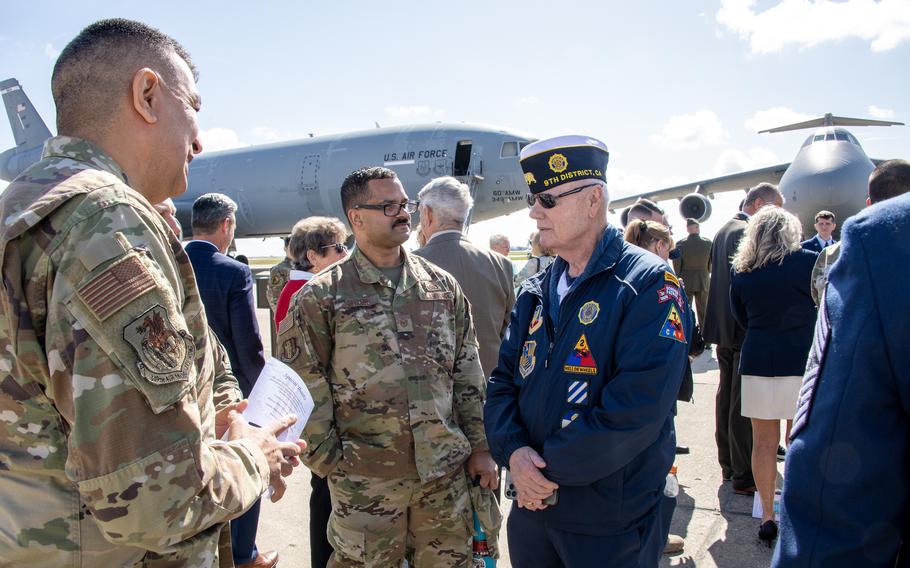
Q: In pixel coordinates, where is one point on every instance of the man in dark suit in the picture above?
(485, 277)
(733, 432)
(226, 287)
(846, 500)
(693, 267)
(824, 232)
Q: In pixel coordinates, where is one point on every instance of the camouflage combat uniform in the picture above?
(109, 380)
(399, 392)
(278, 277)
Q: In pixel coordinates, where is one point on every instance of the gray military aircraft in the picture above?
(830, 171)
(276, 185)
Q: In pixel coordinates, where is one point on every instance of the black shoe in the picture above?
(767, 532)
(781, 453)
(682, 450)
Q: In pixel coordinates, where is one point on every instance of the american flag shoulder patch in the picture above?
(116, 286)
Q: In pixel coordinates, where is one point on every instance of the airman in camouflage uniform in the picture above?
(394, 372)
(111, 383)
(278, 277)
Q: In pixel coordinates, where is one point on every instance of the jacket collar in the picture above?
(81, 151)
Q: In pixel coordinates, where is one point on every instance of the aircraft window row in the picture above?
(841, 135)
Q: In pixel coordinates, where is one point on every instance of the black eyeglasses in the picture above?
(391, 209)
(548, 201)
(340, 248)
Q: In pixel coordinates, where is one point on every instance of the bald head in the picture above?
(93, 75)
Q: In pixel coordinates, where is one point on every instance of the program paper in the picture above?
(279, 391)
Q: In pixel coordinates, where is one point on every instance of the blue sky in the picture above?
(677, 90)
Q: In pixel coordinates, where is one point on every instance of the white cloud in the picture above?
(267, 134)
(773, 117)
(528, 101)
(732, 161)
(414, 112)
(881, 113)
(691, 131)
(806, 23)
(215, 139)
(51, 52)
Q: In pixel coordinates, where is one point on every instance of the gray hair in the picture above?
(772, 234)
(449, 199)
(209, 210)
(499, 240)
(314, 234)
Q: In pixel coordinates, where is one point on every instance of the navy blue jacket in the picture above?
(813, 244)
(774, 304)
(591, 385)
(846, 497)
(226, 288)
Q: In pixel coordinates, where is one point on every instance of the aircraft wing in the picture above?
(730, 182)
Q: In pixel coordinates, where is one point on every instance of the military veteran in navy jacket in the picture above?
(846, 497)
(580, 406)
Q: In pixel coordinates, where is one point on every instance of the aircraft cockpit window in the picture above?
(819, 137)
(852, 138)
(829, 136)
(807, 142)
(841, 136)
(509, 150)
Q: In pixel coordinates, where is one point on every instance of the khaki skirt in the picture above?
(770, 398)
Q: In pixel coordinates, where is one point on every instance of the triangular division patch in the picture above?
(672, 327)
(581, 360)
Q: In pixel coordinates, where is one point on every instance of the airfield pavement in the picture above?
(717, 525)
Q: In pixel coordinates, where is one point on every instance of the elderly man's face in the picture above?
(562, 226)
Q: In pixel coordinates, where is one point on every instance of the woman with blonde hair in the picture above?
(771, 298)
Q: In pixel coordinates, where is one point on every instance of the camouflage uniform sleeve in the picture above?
(226, 389)
(305, 344)
(469, 383)
(134, 385)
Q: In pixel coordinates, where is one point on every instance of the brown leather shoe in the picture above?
(263, 560)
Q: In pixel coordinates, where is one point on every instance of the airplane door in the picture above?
(309, 185)
(462, 158)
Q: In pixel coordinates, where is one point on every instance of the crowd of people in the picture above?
(440, 377)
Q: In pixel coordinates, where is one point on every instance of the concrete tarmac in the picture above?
(716, 524)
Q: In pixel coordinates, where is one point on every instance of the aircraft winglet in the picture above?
(28, 128)
(831, 120)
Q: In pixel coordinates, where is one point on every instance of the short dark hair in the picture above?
(825, 214)
(209, 210)
(764, 191)
(314, 233)
(94, 68)
(692, 222)
(889, 179)
(354, 188)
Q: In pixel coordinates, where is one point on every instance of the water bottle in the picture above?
(482, 558)
(671, 489)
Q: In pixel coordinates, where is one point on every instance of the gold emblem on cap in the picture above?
(529, 178)
(558, 163)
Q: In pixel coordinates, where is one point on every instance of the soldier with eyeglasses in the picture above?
(384, 341)
(580, 405)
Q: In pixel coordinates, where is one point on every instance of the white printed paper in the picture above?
(757, 508)
(279, 391)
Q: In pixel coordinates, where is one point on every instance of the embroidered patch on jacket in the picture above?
(578, 392)
(670, 277)
(569, 418)
(672, 327)
(116, 286)
(165, 353)
(537, 320)
(581, 361)
(290, 350)
(588, 312)
(528, 359)
(671, 292)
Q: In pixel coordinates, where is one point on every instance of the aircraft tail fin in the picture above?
(831, 120)
(28, 128)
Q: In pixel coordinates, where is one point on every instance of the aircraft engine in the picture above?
(696, 206)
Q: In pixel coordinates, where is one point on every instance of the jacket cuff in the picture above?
(262, 464)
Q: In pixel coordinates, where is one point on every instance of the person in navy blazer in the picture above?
(824, 232)
(846, 497)
(226, 287)
(770, 297)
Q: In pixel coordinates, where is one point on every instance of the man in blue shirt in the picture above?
(580, 406)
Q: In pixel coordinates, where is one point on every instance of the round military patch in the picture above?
(588, 312)
(558, 163)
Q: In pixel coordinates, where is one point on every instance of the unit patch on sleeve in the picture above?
(672, 327)
(588, 312)
(581, 361)
(670, 292)
(537, 320)
(578, 392)
(670, 277)
(164, 352)
(569, 418)
(528, 359)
